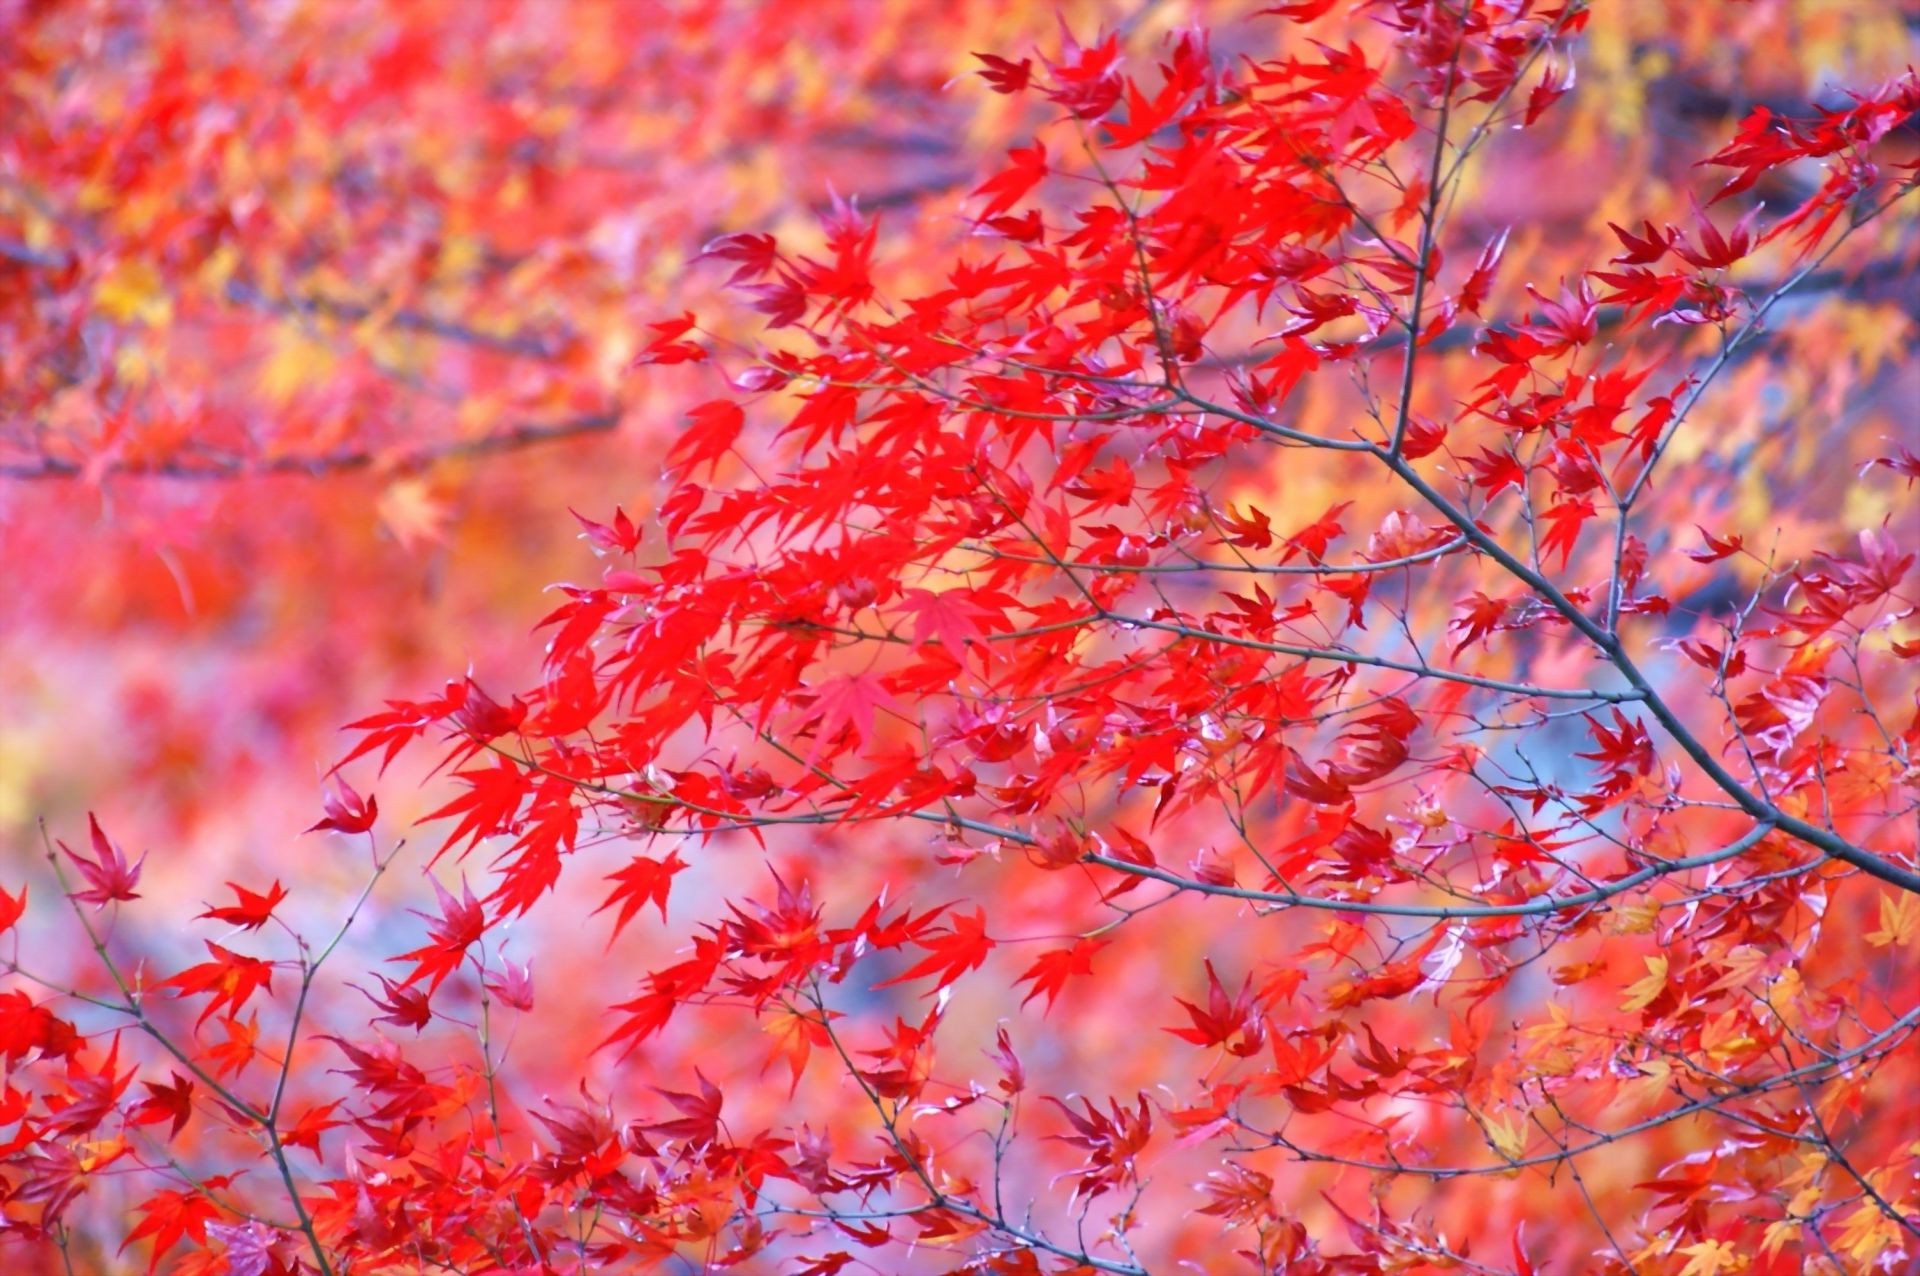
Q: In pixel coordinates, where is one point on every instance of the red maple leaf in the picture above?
(961, 946)
(250, 910)
(111, 876)
(643, 881)
(1051, 971)
(230, 978)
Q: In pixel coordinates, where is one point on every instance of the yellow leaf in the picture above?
(297, 361)
(1651, 1087)
(1740, 963)
(1778, 1233)
(1899, 920)
(1785, 996)
(1508, 1134)
(95, 1153)
(132, 292)
(1641, 993)
(1634, 919)
(1866, 1233)
(1710, 1258)
(1559, 1024)
(1726, 1038)
(413, 513)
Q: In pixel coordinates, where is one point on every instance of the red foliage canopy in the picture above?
(1203, 724)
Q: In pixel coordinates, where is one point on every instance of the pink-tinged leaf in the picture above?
(401, 1005)
(347, 811)
(249, 1246)
(1905, 463)
(459, 926)
(109, 875)
(621, 536)
(513, 985)
(1551, 89)
(755, 253)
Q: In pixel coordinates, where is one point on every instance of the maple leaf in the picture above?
(1899, 921)
(1711, 1257)
(620, 536)
(1564, 521)
(1479, 617)
(795, 1036)
(1644, 992)
(402, 1005)
(1494, 471)
(12, 908)
(1051, 971)
(305, 1131)
(250, 910)
(711, 436)
(699, 1121)
(1229, 1021)
(169, 1217)
(1003, 75)
(962, 945)
(1011, 185)
(249, 1246)
(953, 617)
(1285, 370)
(1905, 463)
(111, 877)
(347, 811)
(514, 985)
(756, 254)
(1716, 549)
(414, 513)
(845, 705)
(166, 1102)
(238, 1050)
(1314, 539)
(459, 926)
(643, 881)
(230, 978)
(1113, 1140)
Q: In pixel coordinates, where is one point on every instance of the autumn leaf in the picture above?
(845, 706)
(458, 927)
(169, 1217)
(109, 875)
(347, 811)
(249, 1246)
(1643, 992)
(643, 881)
(1050, 971)
(952, 951)
(1899, 921)
(715, 427)
(250, 910)
(230, 980)
(169, 1102)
